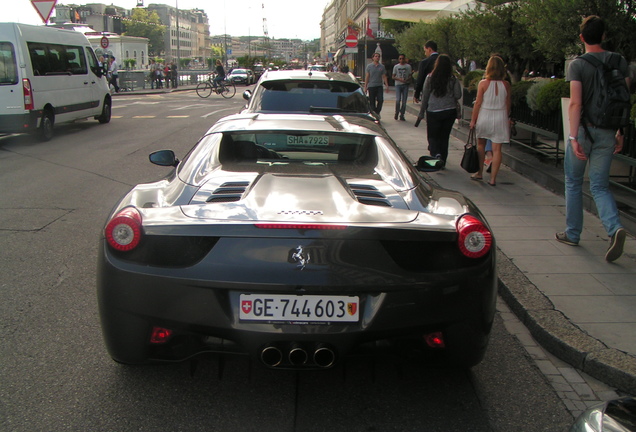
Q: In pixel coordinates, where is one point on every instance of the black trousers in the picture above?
(438, 128)
(376, 98)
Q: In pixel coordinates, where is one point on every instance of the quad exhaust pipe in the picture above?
(271, 356)
(297, 356)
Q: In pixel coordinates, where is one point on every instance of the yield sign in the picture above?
(44, 8)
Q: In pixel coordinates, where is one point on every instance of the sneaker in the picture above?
(561, 237)
(396, 116)
(617, 242)
(402, 118)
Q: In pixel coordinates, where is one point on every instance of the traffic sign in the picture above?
(44, 8)
(104, 42)
(351, 41)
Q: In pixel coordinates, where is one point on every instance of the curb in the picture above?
(557, 334)
(553, 330)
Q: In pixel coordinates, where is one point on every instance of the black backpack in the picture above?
(609, 106)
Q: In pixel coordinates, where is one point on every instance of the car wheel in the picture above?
(106, 112)
(46, 125)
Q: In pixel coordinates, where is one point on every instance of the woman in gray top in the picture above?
(441, 93)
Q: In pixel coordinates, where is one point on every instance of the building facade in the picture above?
(362, 19)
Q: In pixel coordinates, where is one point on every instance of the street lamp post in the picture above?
(178, 38)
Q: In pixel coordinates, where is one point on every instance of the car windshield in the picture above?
(310, 96)
(239, 71)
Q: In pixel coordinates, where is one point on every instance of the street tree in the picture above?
(554, 24)
(148, 25)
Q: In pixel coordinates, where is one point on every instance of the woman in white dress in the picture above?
(491, 116)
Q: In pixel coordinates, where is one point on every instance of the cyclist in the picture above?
(220, 74)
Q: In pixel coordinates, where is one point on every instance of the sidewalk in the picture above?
(578, 306)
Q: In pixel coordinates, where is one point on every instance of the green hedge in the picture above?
(519, 91)
(549, 96)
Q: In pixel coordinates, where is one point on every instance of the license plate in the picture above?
(307, 140)
(307, 308)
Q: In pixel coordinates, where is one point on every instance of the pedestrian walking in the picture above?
(440, 94)
(174, 75)
(591, 146)
(374, 79)
(491, 116)
(153, 76)
(113, 74)
(402, 76)
(425, 67)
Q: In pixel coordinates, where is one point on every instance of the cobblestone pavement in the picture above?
(577, 390)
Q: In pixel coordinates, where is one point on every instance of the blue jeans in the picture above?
(599, 156)
(401, 95)
(217, 79)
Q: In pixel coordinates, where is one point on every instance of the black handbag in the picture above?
(470, 160)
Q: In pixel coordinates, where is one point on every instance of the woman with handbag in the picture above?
(440, 95)
(491, 116)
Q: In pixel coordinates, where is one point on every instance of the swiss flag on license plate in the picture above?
(246, 306)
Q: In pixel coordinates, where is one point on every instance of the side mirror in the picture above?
(247, 94)
(164, 158)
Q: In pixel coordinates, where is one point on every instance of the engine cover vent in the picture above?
(370, 195)
(228, 192)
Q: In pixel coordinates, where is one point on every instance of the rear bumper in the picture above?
(204, 314)
(19, 123)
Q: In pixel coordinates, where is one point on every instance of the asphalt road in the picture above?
(55, 374)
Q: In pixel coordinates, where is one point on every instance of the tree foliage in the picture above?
(148, 25)
(532, 35)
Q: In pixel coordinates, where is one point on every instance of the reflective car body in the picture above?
(314, 92)
(295, 239)
(241, 76)
(617, 415)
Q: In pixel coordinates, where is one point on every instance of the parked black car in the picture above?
(297, 240)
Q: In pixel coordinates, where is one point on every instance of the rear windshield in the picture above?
(294, 147)
(310, 96)
(8, 66)
(280, 151)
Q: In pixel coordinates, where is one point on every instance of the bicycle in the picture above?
(225, 88)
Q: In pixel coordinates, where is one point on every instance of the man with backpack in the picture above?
(598, 84)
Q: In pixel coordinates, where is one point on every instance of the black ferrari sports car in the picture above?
(298, 240)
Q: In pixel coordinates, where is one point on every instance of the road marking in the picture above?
(174, 116)
(144, 117)
(218, 111)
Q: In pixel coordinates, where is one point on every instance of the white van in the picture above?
(48, 76)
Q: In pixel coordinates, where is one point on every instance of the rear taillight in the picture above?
(160, 335)
(123, 232)
(27, 93)
(475, 239)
